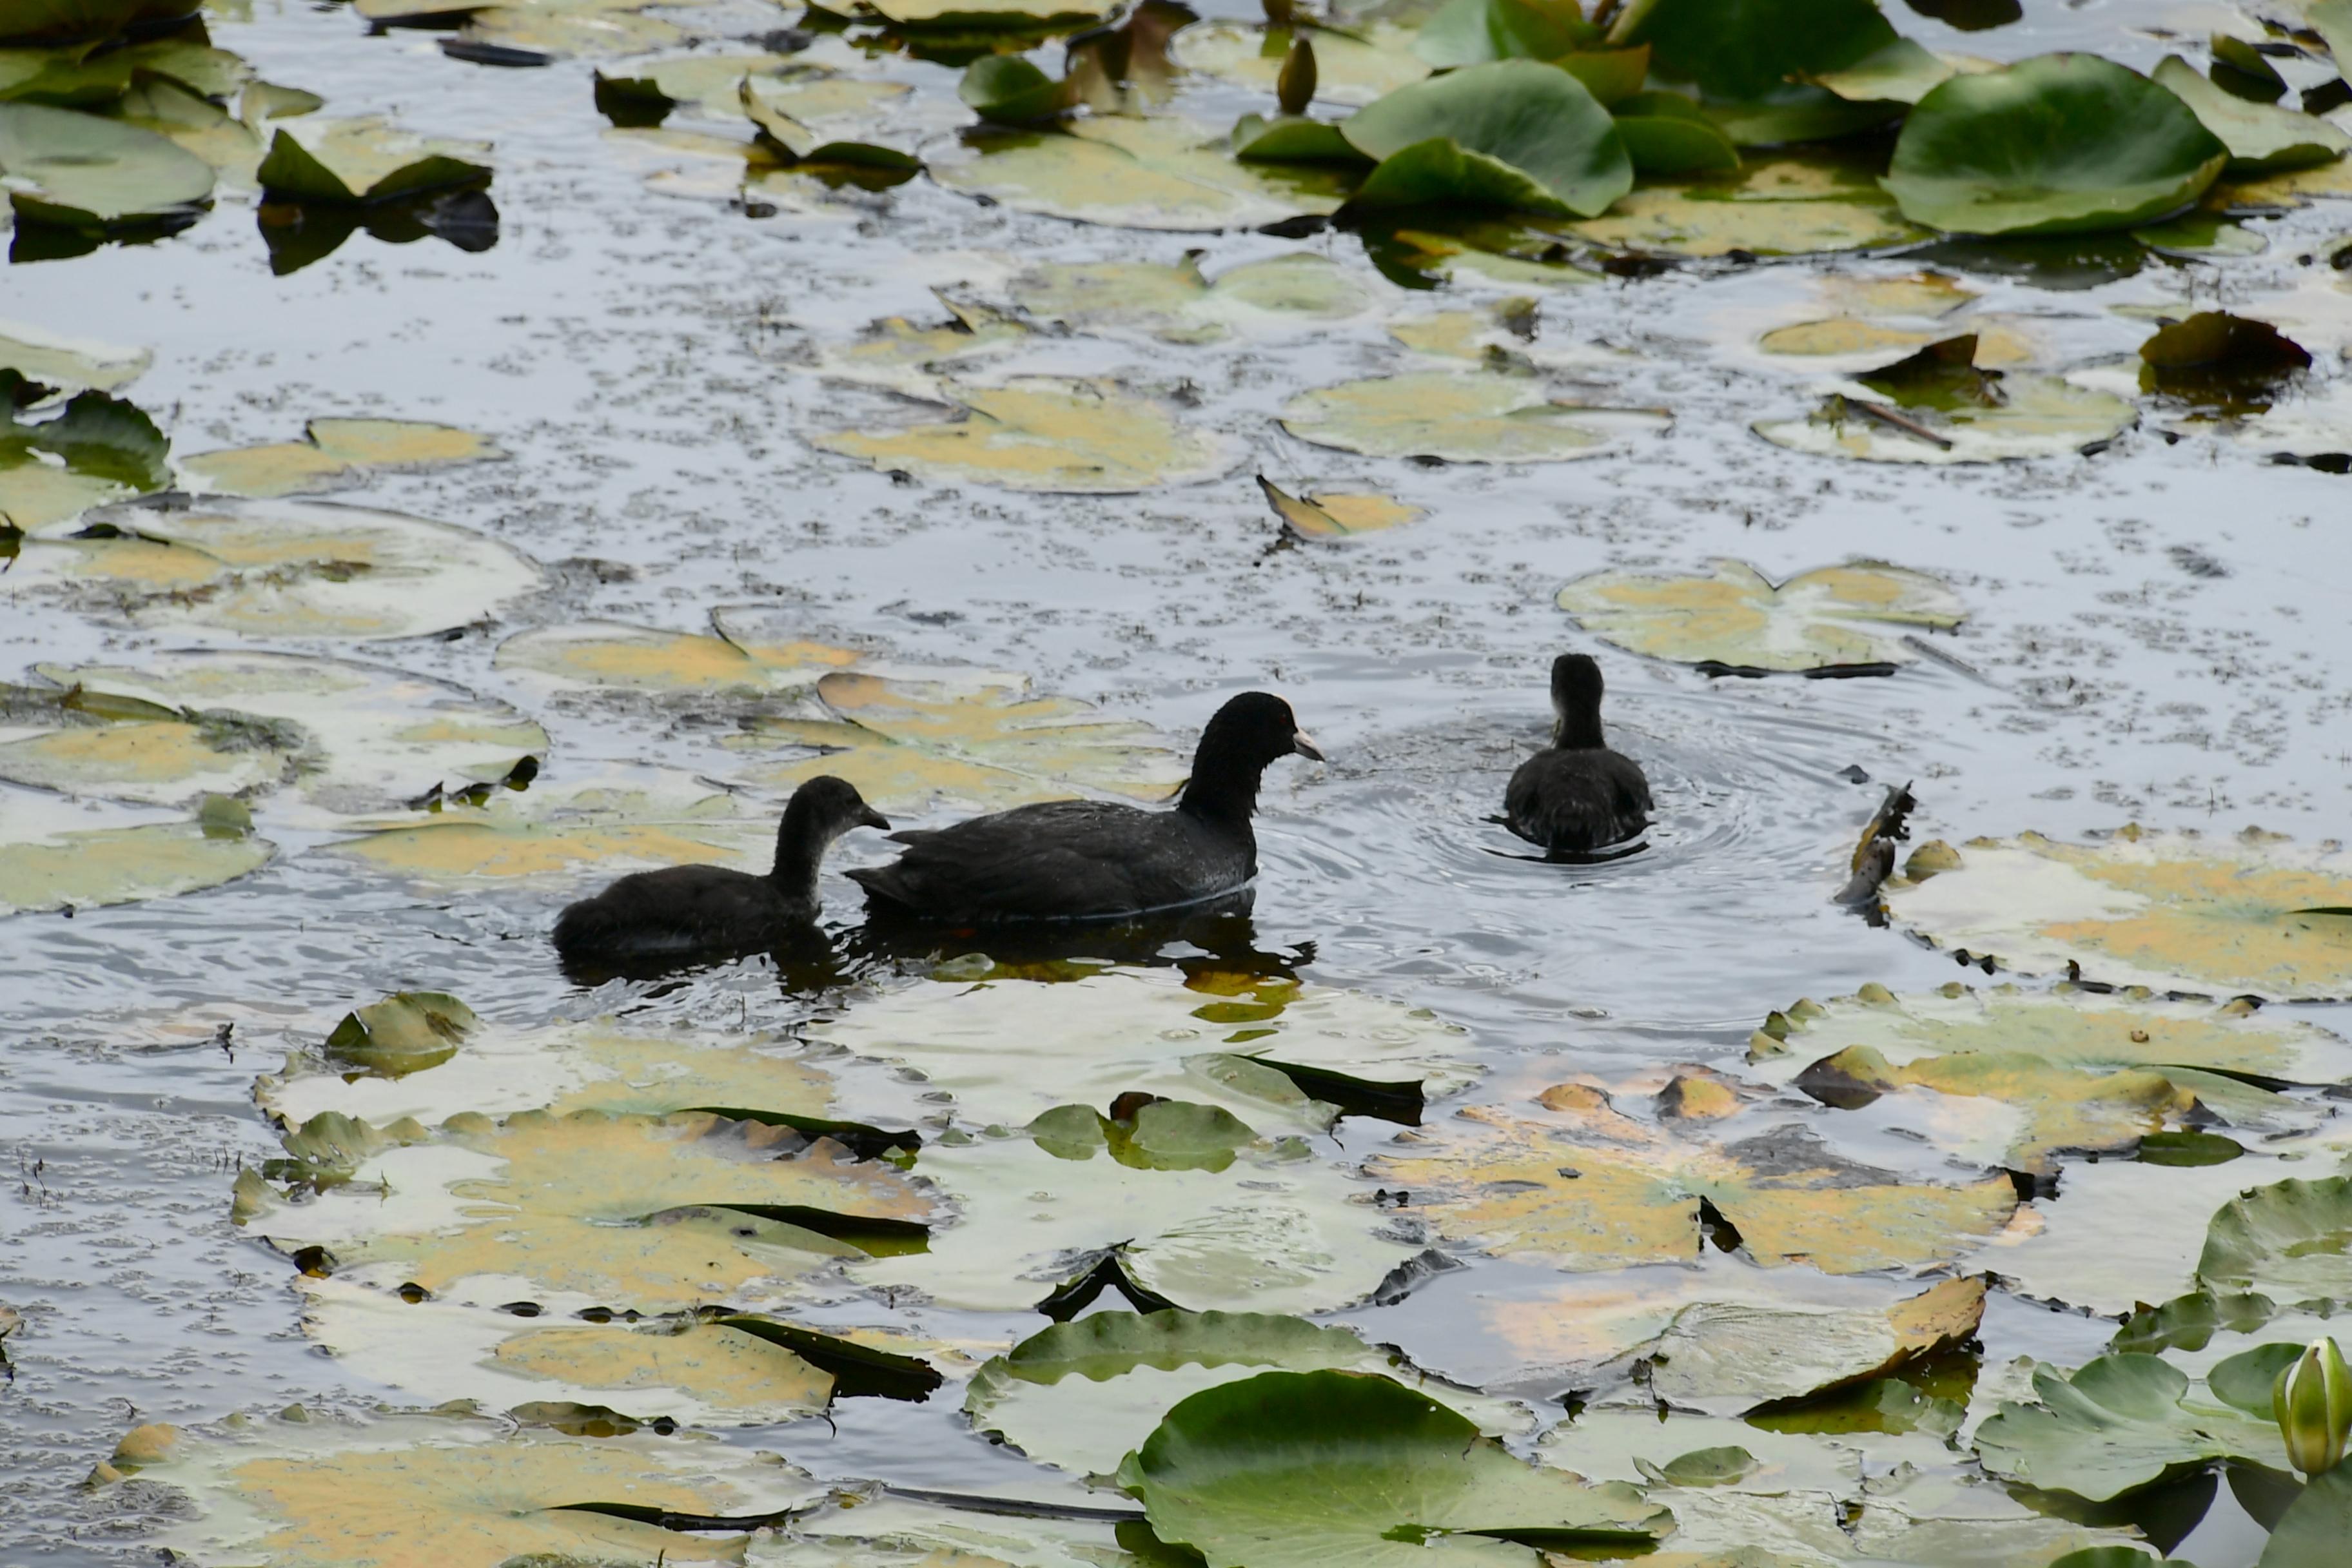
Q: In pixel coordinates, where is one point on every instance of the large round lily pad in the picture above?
(1058, 435)
(1512, 133)
(2118, 1424)
(2168, 910)
(606, 655)
(1484, 416)
(1162, 172)
(334, 453)
(1749, 49)
(1738, 621)
(57, 855)
(82, 172)
(2042, 148)
(2291, 1240)
(1788, 203)
(1304, 1470)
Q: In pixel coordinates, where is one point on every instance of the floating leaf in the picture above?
(704, 83)
(1486, 416)
(1726, 1358)
(1903, 72)
(1749, 49)
(1292, 139)
(1007, 1048)
(1006, 89)
(549, 32)
(2173, 912)
(2292, 1240)
(56, 854)
(1482, 253)
(406, 1032)
(825, 121)
(1939, 405)
(334, 453)
(2263, 138)
(748, 654)
(1058, 435)
(1738, 621)
(2025, 151)
(364, 161)
(79, 171)
(1297, 293)
(1301, 1469)
(278, 568)
(1789, 204)
(895, 352)
(96, 449)
(2116, 1425)
(1337, 514)
(1041, 16)
(1597, 1190)
(68, 365)
(1514, 133)
(308, 1493)
(2220, 362)
(597, 1209)
(1352, 67)
(1667, 133)
(1157, 174)
(1473, 32)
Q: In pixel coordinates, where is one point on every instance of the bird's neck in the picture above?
(1222, 791)
(1577, 732)
(798, 855)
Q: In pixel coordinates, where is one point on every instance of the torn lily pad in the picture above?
(1222, 1040)
(312, 1493)
(1597, 1189)
(95, 449)
(1298, 1469)
(746, 652)
(824, 120)
(364, 161)
(705, 84)
(592, 1208)
(1082, 1394)
(1482, 416)
(2173, 912)
(1352, 65)
(1055, 434)
(1787, 203)
(1159, 174)
(1834, 619)
(58, 855)
(2118, 1424)
(1939, 405)
(1515, 134)
(334, 453)
(79, 171)
(2262, 138)
(1294, 293)
(276, 568)
(1338, 514)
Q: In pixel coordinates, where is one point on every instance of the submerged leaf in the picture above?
(1738, 621)
(1057, 435)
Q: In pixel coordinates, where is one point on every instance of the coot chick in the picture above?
(1083, 859)
(686, 909)
(1576, 796)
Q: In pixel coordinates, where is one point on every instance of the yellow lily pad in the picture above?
(2172, 912)
(56, 854)
(1056, 16)
(1793, 204)
(1058, 435)
(594, 34)
(905, 742)
(414, 1490)
(1338, 514)
(657, 1213)
(1160, 174)
(706, 84)
(745, 655)
(1297, 292)
(2034, 415)
(1729, 1357)
(1596, 1190)
(1483, 416)
(906, 358)
(1737, 620)
(334, 453)
(69, 364)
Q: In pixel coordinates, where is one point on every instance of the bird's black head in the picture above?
(1248, 734)
(1576, 687)
(821, 811)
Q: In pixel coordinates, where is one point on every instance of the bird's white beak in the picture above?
(1305, 747)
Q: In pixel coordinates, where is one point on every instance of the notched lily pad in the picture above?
(1055, 435)
(1834, 620)
(361, 161)
(1160, 174)
(1483, 416)
(2116, 1425)
(334, 453)
(1337, 514)
(56, 854)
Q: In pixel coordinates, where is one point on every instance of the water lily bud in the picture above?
(1294, 87)
(2312, 1399)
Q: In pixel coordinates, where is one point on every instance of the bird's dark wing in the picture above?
(1057, 859)
(1576, 801)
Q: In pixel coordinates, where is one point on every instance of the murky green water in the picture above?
(2155, 634)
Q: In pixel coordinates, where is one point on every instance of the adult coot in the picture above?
(1576, 796)
(1083, 859)
(685, 909)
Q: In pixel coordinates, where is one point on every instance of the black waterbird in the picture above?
(1576, 796)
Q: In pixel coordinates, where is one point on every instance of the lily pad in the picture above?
(1082, 1393)
(1297, 292)
(1939, 405)
(1338, 514)
(1352, 67)
(68, 365)
(1008, 1049)
(2220, 363)
(80, 171)
(594, 1209)
(1903, 72)
(825, 121)
(56, 854)
(97, 448)
(364, 161)
(1484, 416)
(1159, 174)
(1513, 133)
(2173, 912)
(705, 83)
(2116, 1425)
(2027, 150)
(745, 653)
(310, 1493)
(334, 453)
(1789, 204)
(2287, 1240)
(552, 32)
(1057, 435)
(1726, 1358)
(1301, 1469)
(1043, 16)
(1738, 621)
(1474, 32)
(908, 358)
(1749, 49)
(2262, 138)
(1596, 1190)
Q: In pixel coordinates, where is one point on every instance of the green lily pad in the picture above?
(1726, 1358)
(95, 449)
(2173, 912)
(1738, 621)
(1158, 1134)
(706, 84)
(1297, 293)
(1302, 1470)
(1937, 406)
(1788, 204)
(1008, 90)
(2287, 1240)
(1743, 50)
(364, 161)
(1292, 139)
(1480, 417)
(1055, 435)
(68, 365)
(64, 77)
(58, 855)
(80, 171)
(2262, 138)
(1159, 174)
(406, 1032)
(2220, 363)
(1474, 32)
(1352, 67)
(1513, 133)
(1666, 134)
(1903, 72)
(1979, 153)
(1041, 16)
(1080, 1395)
(562, 32)
(2116, 1425)
(190, 121)
(824, 120)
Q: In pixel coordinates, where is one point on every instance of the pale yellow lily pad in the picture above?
(593, 33)
(334, 453)
(705, 83)
(55, 854)
(1729, 1357)
(2175, 911)
(1737, 619)
(1161, 173)
(1791, 203)
(1057, 15)
(908, 358)
(277, 568)
(1594, 1189)
(592, 1208)
(69, 364)
(970, 736)
(2034, 416)
(1338, 514)
(430, 1491)
(1297, 292)
(745, 653)
(1479, 416)
(1353, 66)
(1057, 435)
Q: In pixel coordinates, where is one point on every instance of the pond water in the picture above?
(2154, 634)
